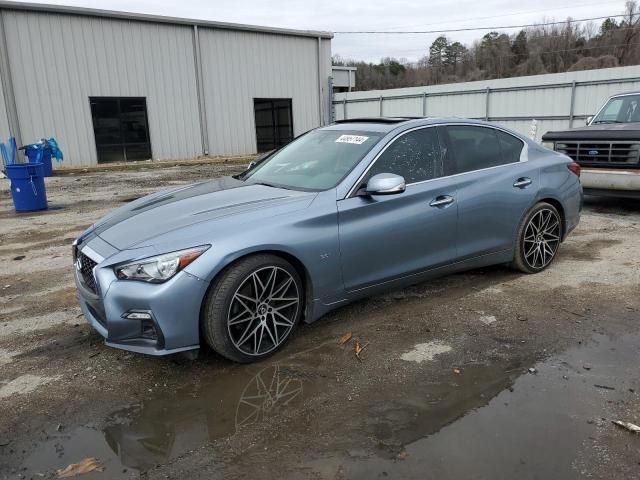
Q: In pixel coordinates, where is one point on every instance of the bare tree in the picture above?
(547, 48)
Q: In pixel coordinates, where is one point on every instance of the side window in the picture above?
(472, 148)
(415, 156)
(611, 111)
(510, 146)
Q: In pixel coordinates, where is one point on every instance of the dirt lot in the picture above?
(443, 389)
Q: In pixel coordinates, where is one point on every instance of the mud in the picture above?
(443, 389)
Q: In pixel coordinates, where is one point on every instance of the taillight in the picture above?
(574, 167)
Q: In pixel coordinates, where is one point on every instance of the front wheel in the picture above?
(253, 309)
(538, 238)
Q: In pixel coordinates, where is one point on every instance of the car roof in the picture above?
(632, 92)
(387, 124)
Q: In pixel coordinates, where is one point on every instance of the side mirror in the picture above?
(385, 184)
(589, 118)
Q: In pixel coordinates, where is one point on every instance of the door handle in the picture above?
(442, 201)
(522, 182)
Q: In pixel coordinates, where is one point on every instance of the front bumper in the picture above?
(606, 181)
(174, 307)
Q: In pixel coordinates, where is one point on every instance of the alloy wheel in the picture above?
(541, 238)
(263, 310)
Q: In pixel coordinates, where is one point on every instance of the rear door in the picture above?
(495, 186)
(384, 237)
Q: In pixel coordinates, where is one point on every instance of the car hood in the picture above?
(600, 131)
(160, 213)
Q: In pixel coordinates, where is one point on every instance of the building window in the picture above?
(274, 122)
(121, 128)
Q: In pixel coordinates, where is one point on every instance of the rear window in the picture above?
(510, 146)
(475, 148)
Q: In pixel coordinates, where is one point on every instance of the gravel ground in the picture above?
(442, 390)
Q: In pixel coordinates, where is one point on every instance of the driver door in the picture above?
(386, 237)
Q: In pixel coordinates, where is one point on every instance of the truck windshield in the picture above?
(625, 109)
(315, 161)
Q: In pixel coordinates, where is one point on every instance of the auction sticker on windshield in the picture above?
(355, 139)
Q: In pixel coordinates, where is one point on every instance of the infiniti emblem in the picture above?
(78, 265)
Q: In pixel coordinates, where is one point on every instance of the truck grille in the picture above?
(604, 154)
(85, 265)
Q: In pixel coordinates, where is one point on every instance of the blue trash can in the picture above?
(40, 153)
(27, 186)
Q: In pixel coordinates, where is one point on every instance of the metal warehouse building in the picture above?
(114, 86)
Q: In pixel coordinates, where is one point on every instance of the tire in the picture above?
(245, 326)
(539, 237)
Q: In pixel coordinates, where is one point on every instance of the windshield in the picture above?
(620, 110)
(318, 160)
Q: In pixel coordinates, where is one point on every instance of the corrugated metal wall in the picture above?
(512, 102)
(59, 60)
(4, 121)
(240, 66)
(327, 89)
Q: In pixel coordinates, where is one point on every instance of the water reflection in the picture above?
(268, 391)
(166, 427)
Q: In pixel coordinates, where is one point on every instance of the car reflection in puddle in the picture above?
(493, 420)
(166, 427)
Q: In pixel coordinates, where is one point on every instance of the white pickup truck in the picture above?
(607, 148)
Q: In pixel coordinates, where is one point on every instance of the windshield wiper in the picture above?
(608, 121)
(266, 184)
(272, 185)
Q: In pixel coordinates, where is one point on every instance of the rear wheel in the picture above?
(253, 309)
(538, 238)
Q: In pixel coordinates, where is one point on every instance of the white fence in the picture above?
(556, 101)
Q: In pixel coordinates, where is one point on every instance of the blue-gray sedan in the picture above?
(342, 212)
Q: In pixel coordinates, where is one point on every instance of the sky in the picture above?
(340, 15)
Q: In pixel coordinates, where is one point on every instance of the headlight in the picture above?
(160, 268)
(548, 145)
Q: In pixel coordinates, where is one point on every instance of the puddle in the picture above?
(159, 429)
(538, 430)
(490, 421)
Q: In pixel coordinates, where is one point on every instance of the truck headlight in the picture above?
(549, 145)
(160, 268)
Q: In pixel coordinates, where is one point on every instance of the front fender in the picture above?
(310, 236)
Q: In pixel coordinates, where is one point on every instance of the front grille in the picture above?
(85, 268)
(609, 154)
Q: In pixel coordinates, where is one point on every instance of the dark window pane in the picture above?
(473, 148)
(106, 121)
(133, 113)
(510, 146)
(138, 152)
(121, 128)
(415, 156)
(108, 153)
(274, 125)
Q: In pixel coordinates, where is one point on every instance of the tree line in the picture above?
(535, 50)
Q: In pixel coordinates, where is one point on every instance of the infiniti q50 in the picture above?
(342, 212)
